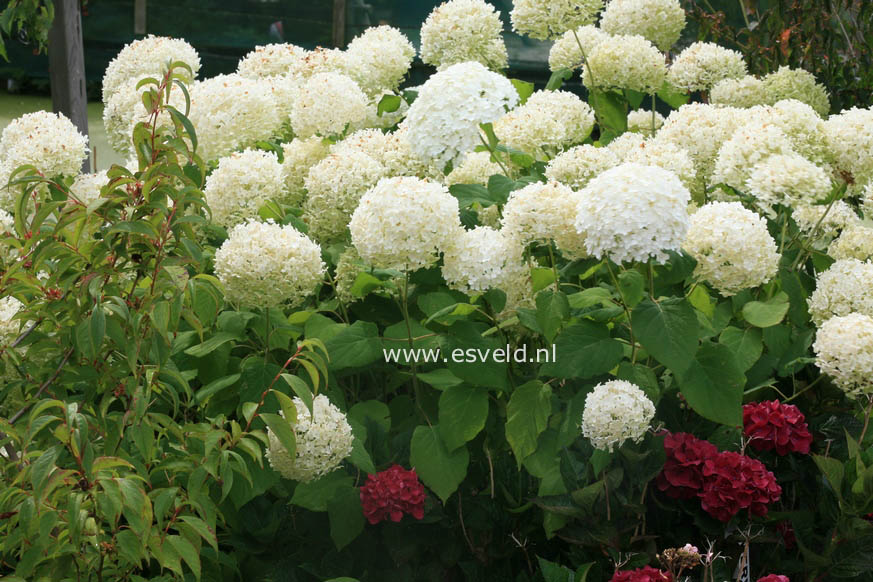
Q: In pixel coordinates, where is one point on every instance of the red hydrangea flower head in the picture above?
(733, 482)
(644, 574)
(772, 425)
(391, 493)
(682, 476)
(774, 578)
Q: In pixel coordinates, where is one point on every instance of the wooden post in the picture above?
(67, 66)
(139, 17)
(339, 23)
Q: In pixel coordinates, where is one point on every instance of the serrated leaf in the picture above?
(439, 469)
(527, 415)
(462, 413)
(283, 431)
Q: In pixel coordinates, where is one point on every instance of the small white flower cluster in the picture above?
(270, 60)
(392, 150)
(551, 119)
(566, 52)
(789, 180)
(320, 60)
(849, 136)
(544, 212)
(263, 264)
(744, 92)
(378, 59)
(324, 439)
(856, 242)
(334, 188)
(788, 83)
(703, 65)
(48, 141)
(148, 57)
(459, 31)
(644, 122)
(326, 105)
(86, 187)
(625, 62)
(299, 155)
(9, 327)
(548, 19)
(616, 411)
(803, 126)
(732, 247)
(839, 217)
(752, 143)
(481, 259)
(844, 351)
(476, 168)
(633, 147)
(404, 223)
(443, 121)
(231, 112)
(579, 165)
(241, 184)
(633, 213)
(660, 21)
(842, 289)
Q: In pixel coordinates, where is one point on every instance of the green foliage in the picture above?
(29, 19)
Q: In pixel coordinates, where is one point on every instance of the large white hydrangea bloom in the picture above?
(823, 222)
(326, 105)
(703, 65)
(263, 264)
(644, 122)
(844, 351)
(660, 21)
(842, 289)
(86, 187)
(270, 60)
(324, 438)
(404, 223)
(299, 155)
(579, 165)
(550, 119)
(625, 62)
(46, 140)
(148, 57)
(566, 52)
(745, 92)
(459, 31)
(788, 180)
(476, 168)
(543, 212)
(616, 411)
(124, 109)
(378, 59)
(633, 213)
(750, 144)
(849, 136)
(443, 121)
(241, 184)
(788, 83)
(856, 242)
(548, 19)
(481, 259)
(732, 247)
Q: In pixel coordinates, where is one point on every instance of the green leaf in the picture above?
(441, 378)
(766, 313)
(527, 415)
(364, 284)
(746, 344)
(470, 194)
(833, 471)
(632, 285)
(210, 345)
(611, 110)
(41, 469)
(130, 546)
(553, 572)
(202, 528)
(301, 389)
(557, 79)
(668, 330)
(214, 387)
(359, 457)
(523, 88)
(672, 96)
(346, 516)
(187, 551)
(583, 350)
(315, 495)
(553, 309)
(372, 411)
(541, 277)
(440, 470)
(281, 427)
(388, 104)
(713, 384)
(355, 346)
(463, 411)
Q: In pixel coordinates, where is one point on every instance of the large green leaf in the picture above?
(766, 313)
(746, 344)
(611, 110)
(552, 310)
(355, 346)
(713, 384)
(463, 411)
(346, 516)
(439, 469)
(583, 350)
(315, 495)
(527, 415)
(668, 330)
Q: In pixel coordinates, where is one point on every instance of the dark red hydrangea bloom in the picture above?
(644, 574)
(774, 426)
(788, 537)
(733, 482)
(682, 476)
(774, 578)
(391, 493)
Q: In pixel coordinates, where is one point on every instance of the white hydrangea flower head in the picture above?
(481, 259)
(633, 213)
(476, 168)
(231, 112)
(732, 247)
(400, 159)
(647, 152)
(241, 184)
(124, 109)
(566, 52)
(788, 83)
(348, 266)
(320, 60)
(334, 188)
(548, 119)
(616, 411)
(700, 130)
(148, 57)
(743, 93)
(625, 62)
(324, 439)
(404, 223)
(262, 264)
(849, 137)
(379, 58)
(844, 351)
(270, 60)
(839, 217)
(443, 121)
(9, 327)
(7, 223)
(866, 199)
(787, 179)
(625, 144)
(86, 187)
(803, 126)
(703, 65)
(299, 155)
(285, 90)
(749, 145)
(579, 165)
(660, 21)
(459, 31)
(46, 140)
(548, 19)
(856, 242)
(642, 121)
(543, 212)
(326, 104)
(842, 289)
